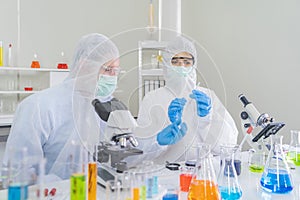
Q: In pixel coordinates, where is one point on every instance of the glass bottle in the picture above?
(227, 179)
(204, 183)
(276, 177)
(293, 155)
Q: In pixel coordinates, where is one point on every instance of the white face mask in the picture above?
(183, 71)
(106, 85)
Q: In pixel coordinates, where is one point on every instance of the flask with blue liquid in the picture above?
(276, 177)
(228, 177)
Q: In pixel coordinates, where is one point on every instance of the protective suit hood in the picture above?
(91, 53)
(177, 84)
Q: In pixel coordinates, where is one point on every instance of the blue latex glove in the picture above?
(171, 134)
(175, 110)
(203, 102)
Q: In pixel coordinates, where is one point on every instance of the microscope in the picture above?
(119, 140)
(251, 119)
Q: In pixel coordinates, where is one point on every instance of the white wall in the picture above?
(255, 44)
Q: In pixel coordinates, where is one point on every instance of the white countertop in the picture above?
(249, 182)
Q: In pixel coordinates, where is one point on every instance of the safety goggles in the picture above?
(113, 71)
(182, 61)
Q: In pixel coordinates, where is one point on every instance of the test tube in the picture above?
(92, 174)
(78, 174)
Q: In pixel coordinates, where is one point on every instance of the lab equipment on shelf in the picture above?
(9, 56)
(35, 63)
(62, 64)
(228, 179)
(276, 177)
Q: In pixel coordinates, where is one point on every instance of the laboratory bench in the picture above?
(249, 182)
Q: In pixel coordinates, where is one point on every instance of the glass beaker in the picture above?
(17, 178)
(256, 161)
(227, 179)
(187, 171)
(204, 183)
(257, 157)
(293, 155)
(276, 177)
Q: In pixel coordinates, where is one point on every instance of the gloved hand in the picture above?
(171, 134)
(203, 102)
(175, 110)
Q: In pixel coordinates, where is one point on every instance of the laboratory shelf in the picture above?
(33, 69)
(14, 80)
(152, 72)
(6, 119)
(17, 92)
(149, 66)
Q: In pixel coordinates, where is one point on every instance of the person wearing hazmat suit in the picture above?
(50, 122)
(181, 113)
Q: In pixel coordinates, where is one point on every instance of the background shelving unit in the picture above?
(13, 81)
(150, 72)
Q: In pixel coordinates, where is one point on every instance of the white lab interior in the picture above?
(251, 47)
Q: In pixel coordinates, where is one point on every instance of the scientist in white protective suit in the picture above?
(181, 114)
(50, 122)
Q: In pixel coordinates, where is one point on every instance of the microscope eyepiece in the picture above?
(244, 100)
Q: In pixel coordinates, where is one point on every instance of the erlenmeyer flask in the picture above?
(293, 155)
(227, 179)
(276, 177)
(204, 184)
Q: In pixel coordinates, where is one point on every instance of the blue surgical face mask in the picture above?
(106, 85)
(183, 71)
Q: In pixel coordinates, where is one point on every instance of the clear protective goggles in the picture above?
(182, 61)
(109, 70)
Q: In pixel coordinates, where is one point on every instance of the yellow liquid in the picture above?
(136, 194)
(1, 56)
(294, 157)
(203, 189)
(77, 186)
(256, 168)
(92, 178)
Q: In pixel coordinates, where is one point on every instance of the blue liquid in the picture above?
(17, 192)
(170, 197)
(276, 184)
(233, 194)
